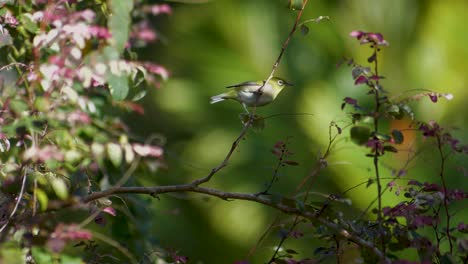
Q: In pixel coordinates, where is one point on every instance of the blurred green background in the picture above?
(213, 44)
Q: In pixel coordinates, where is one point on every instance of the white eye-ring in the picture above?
(280, 82)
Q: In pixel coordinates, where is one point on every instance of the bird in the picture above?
(246, 93)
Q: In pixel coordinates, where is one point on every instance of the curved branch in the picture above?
(312, 214)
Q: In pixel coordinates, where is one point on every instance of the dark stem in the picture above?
(319, 165)
(376, 155)
(283, 238)
(337, 243)
(436, 232)
(275, 173)
(442, 177)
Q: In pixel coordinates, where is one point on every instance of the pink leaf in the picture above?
(110, 211)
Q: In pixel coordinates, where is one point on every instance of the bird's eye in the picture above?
(280, 82)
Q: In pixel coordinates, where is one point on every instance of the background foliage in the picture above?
(217, 43)
(205, 47)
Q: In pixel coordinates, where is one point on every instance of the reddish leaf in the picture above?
(290, 162)
(360, 80)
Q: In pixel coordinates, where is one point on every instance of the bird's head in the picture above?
(279, 83)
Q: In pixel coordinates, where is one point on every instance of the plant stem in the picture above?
(441, 173)
(376, 155)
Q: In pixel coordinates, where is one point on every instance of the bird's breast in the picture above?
(250, 97)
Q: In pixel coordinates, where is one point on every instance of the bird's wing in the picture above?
(248, 84)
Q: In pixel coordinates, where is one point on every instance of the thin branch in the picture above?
(252, 115)
(228, 156)
(444, 185)
(116, 245)
(13, 64)
(18, 201)
(285, 45)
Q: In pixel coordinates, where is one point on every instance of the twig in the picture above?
(252, 115)
(319, 165)
(115, 244)
(228, 156)
(18, 201)
(444, 185)
(13, 64)
(285, 45)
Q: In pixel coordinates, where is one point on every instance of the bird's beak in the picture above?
(288, 83)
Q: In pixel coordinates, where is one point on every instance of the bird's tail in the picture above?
(217, 98)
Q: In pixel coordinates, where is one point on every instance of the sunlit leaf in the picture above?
(383, 137)
(60, 187)
(41, 256)
(394, 111)
(28, 23)
(114, 152)
(407, 109)
(119, 22)
(118, 85)
(42, 199)
(12, 253)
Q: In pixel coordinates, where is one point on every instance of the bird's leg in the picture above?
(245, 107)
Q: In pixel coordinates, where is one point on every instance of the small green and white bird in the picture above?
(246, 92)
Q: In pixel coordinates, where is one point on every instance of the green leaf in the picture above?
(448, 259)
(295, 4)
(18, 106)
(42, 198)
(41, 256)
(108, 54)
(60, 187)
(11, 253)
(383, 137)
(390, 149)
(119, 22)
(138, 77)
(407, 110)
(114, 152)
(28, 23)
(394, 110)
(138, 96)
(118, 85)
(397, 136)
(72, 156)
(5, 38)
(70, 259)
(360, 134)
